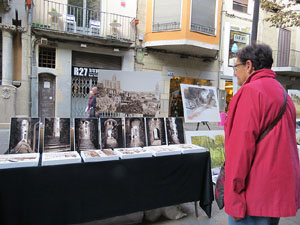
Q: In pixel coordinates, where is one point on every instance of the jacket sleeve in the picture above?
(241, 132)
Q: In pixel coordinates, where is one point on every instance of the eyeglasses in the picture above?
(235, 66)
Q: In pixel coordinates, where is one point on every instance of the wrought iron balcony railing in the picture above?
(203, 29)
(286, 58)
(165, 26)
(56, 16)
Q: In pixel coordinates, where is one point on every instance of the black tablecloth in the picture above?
(84, 192)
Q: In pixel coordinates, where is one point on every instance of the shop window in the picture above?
(238, 40)
(0, 58)
(47, 57)
(240, 5)
(229, 93)
(203, 18)
(176, 106)
(166, 15)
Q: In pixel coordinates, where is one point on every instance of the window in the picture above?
(240, 5)
(203, 16)
(0, 57)
(166, 15)
(84, 10)
(47, 57)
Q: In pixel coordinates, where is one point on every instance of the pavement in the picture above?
(218, 217)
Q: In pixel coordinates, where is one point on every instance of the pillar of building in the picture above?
(7, 57)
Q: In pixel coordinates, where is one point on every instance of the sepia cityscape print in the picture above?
(57, 137)
(175, 133)
(295, 95)
(156, 133)
(111, 133)
(129, 93)
(135, 132)
(86, 134)
(24, 135)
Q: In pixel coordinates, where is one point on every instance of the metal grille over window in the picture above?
(166, 15)
(203, 19)
(81, 86)
(240, 5)
(47, 57)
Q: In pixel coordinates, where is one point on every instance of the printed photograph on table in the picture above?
(135, 132)
(111, 133)
(213, 141)
(129, 92)
(57, 136)
(86, 134)
(24, 135)
(295, 95)
(200, 103)
(175, 132)
(156, 133)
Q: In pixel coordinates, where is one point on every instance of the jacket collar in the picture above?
(262, 73)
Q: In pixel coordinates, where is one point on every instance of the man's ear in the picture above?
(249, 66)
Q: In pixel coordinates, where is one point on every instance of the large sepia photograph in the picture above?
(200, 103)
(175, 132)
(24, 135)
(156, 133)
(295, 95)
(57, 136)
(129, 92)
(135, 132)
(86, 134)
(213, 141)
(111, 133)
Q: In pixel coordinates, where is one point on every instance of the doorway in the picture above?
(46, 103)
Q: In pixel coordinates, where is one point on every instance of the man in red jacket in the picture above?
(262, 180)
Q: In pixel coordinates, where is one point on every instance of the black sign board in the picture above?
(85, 71)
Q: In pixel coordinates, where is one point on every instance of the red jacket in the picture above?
(263, 179)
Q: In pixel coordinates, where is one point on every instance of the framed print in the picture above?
(200, 103)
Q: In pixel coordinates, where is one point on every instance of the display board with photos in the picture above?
(213, 141)
(24, 135)
(57, 135)
(135, 132)
(23, 144)
(112, 133)
(175, 131)
(156, 132)
(200, 103)
(86, 134)
(295, 96)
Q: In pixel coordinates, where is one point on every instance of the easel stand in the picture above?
(198, 125)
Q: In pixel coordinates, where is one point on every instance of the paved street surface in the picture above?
(218, 216)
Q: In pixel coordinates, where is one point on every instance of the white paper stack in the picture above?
(188, 148)
(19, 160)
(58, 158)
(163, 150)
(130, 153)
(99, 155)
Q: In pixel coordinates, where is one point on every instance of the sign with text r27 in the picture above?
(85, 71)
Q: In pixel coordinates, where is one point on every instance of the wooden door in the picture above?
(46, 96)
(284, 43)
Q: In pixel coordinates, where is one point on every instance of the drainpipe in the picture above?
(255, 21)
(30, 60)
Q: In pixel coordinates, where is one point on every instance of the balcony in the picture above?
(286, 62)
(71, 22)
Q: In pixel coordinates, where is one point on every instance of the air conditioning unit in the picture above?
(44, 41)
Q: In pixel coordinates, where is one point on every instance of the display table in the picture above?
(75, 193)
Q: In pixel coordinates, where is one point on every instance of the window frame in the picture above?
(166, 30)
(215, 23)
(246, 6)
(49, 62)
